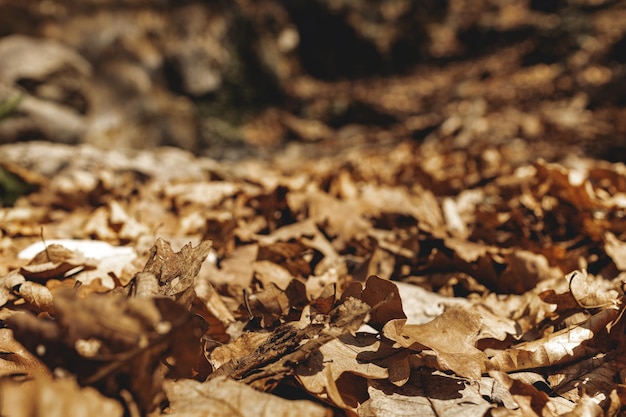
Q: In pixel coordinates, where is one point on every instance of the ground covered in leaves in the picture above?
(422, 280)
(432, 222)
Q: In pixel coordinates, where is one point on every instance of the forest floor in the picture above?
(376, 281)
(439, 237)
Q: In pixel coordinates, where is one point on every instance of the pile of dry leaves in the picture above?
(421, 280)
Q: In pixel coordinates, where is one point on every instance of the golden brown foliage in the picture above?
(331, 283)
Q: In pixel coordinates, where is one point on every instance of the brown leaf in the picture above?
(113, 223)
(115, 343)
(7, 284)
(344, 354)
(326, 300)
(221, 396)
(524, 270)
(585, 407)
(531, 401)
(290, 255)
(596, 375)
(616, 249)
(420, 203)
(101, 258)
(564, 346)
(380, 263)
(270, 304)
(236, 269)
(206, 194)
(38, 296)
(422, 306)
(452, 336)
(432, 395)
(268, 273)
(577, 191)
(15, 360)
(384, 298)
(45, 397)
(592, 292)
(55, 262)
(212, 302)
(323, 210)
(287, 346)
(176, 271)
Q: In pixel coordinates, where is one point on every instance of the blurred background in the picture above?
(247, 78)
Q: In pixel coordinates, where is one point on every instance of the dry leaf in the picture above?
(583, 381)
(590, 292)
(105, 339)
(435, 395)
(102, 258)
(344, 354)
(531, 401)
(616, 249)
(269, 273)
(269, 304)
(176, 271)
(235, 269)
(221, 396)
(288, 346)
(45, 397)
(55, 262)
(384, 298)
(38, 296)
(452, 336)
(585, 407)
(16, 361)
(564, 346)
(7, 284)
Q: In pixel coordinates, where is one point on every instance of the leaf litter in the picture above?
(337, 286)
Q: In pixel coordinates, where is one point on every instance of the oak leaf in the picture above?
(176, 271)
(452, 336)
(221, 397)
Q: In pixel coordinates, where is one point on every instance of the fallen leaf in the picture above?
(591, 292)
(221, 396)
(16, 361)
(384, 298)
(344, 354)
(7, 284)
(435, 394)
(592, 379)
(531, 401)
(452, 336)
(37, 295)
(564, 346)
(113, 342)
(288, 346)
(44, 397)
(176, 271)
(585, 407)
(55, 261)
(616, 249)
